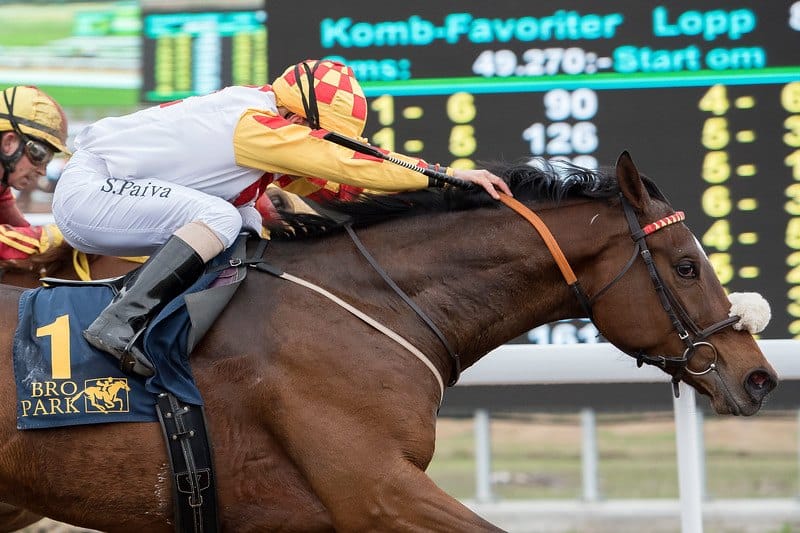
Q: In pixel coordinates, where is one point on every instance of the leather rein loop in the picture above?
(555, 250)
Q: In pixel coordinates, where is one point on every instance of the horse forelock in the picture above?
(530, 180)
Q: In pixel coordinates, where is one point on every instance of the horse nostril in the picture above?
(759, 383)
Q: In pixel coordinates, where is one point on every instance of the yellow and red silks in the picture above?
(21, 242)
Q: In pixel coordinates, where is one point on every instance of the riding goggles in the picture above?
(38, 152)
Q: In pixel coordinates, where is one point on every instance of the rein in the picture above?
(679, 317)
(454, 357)
(692, 337)
(259, 264)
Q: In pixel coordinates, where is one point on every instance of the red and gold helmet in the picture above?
(31, 111)
(337, 102)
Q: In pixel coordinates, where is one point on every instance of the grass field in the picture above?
(36, 25)
(538, 456)
(96, 98)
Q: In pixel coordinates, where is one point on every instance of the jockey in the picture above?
(32, 128)
(178, 182)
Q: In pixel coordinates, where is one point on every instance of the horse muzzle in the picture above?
(759, 383)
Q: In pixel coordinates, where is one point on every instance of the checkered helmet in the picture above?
(337, 102)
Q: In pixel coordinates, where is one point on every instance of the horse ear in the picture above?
(630, 183)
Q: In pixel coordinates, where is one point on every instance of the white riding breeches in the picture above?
(104, 215)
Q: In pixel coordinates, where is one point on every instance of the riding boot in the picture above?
(167, 273)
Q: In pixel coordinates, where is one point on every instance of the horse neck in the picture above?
(524, 287)
(483, 277)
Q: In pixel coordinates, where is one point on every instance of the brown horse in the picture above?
(320, 423)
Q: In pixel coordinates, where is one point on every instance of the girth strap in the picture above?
(191, 460)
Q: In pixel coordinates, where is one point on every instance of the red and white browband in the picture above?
(677, 216)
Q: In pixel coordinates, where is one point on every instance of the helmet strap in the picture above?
(309, 102)
(10, 161)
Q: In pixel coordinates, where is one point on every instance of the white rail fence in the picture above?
(524, 364)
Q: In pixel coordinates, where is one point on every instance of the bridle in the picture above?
(9, 161)
(687, 330)
(692, 336)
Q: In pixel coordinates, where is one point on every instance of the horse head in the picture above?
(666, 306)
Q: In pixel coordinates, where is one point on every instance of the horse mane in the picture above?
(536, 180)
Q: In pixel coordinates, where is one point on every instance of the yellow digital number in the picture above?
(716, 201)
(463, 163)
(716, 168)
(793, 160)
(790, 97)
(794, 329)
(793, 276)
(384, 107)
(715, 133)
(792, 138)
(260, 50)
(164, 70)
(718, 236)
(794, 297)
(793, 205)
(715, 100)
(384, 138)
(58, 331)
(722, 266)
(461, 108)
(793, 233)
(183, 63)
(462, 141)
(242, 58)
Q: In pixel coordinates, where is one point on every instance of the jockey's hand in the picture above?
(485, 179)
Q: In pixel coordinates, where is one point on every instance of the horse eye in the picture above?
(686, 270)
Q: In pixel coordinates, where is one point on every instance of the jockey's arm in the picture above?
(268, 142)
(36, 244)
(9, 211)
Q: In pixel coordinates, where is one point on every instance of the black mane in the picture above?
(547, 182)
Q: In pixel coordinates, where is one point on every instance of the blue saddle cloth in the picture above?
(62, 380)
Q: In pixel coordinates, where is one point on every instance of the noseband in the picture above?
(692, 336)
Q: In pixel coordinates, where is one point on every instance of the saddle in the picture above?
(168, 341)
(204, 301)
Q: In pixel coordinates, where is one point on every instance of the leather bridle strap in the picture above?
(454, 357)
(555, 250)
(676, 312)
(263, 266)
(547, 237)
